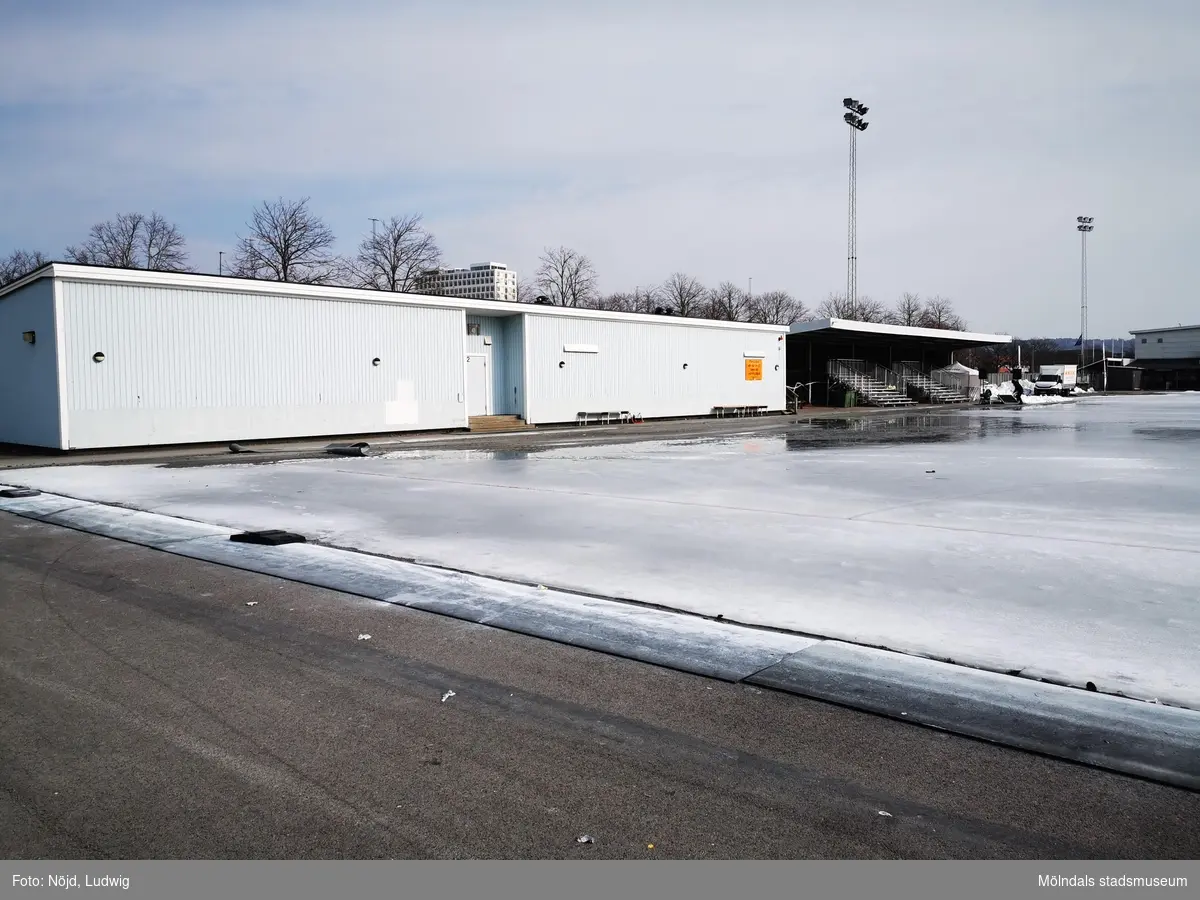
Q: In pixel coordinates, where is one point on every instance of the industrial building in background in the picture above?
(481, 281)
(94, 357)
(1169, 358)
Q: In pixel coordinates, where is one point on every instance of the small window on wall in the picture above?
(1160, 340)
(472, 328)
(1143, 340)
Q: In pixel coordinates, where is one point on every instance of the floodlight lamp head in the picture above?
(849, 103)
(862, 126)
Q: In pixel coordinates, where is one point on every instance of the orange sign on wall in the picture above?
(754, 370)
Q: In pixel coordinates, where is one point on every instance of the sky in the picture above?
(654, 136)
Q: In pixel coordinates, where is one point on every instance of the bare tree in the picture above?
(393, 257)
(939, 312)
(646, 299)
(776, 308)
(133, 241)
(728, 303)
(289, 243)
(683, 295)
(527, 291)
(618, 302)
(909, 311)
(864, 309)
(18, 264)
(566, 277)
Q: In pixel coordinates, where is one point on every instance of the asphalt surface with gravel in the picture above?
(155, 707)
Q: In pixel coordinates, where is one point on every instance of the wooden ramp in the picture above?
(491, 424)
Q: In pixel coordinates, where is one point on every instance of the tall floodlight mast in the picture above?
(853, 118)
(1083, 227)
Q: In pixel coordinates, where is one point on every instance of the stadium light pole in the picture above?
(854, 118)
(1083, 226)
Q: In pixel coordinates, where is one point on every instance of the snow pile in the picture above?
(1004, 392)
(1045, 400)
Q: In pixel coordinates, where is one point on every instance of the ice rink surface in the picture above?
(1059, 541)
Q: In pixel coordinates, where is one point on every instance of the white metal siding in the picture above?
(638, 367)
(29, 388)
(187, 366)
(1178, 344)
(514, 363)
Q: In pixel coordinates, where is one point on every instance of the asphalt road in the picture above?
(149, 711)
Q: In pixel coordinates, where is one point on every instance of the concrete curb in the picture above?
(1128, 736)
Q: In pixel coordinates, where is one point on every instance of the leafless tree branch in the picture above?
(395, 256)
(939, 313)
(133, 241)
(18, 264)
(728, 303)
(864, 309)
(566, 277)
(909, 311)
(776, 308)
(683, 295)
(288, 243)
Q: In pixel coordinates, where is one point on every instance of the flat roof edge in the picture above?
(143, 277)
(46, 270)
(1169, 328)
(882, 329)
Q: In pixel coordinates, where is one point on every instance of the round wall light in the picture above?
(98, 357)
(562, 364)
(375, 362)
(685, 365)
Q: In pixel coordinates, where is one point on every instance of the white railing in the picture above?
(877, 385)
(939, 387)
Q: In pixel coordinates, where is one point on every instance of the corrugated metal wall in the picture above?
(639, 368)
(184, 366)
(29, 389)
(504, 360)
(514, 362)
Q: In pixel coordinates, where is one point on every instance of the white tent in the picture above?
(956, 375)
(957, 368)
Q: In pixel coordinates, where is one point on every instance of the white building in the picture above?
(94, 357)
(481, 281)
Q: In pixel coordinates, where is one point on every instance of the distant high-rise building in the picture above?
(482, 281)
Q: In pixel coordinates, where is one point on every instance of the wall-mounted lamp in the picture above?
(777, 368)
(98, 357)
(562, 364)
(685, 365)
(375, 362)
(29, 337)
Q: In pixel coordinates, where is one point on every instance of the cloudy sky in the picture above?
(655, 136)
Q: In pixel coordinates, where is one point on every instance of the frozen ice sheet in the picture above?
(1060, 541)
